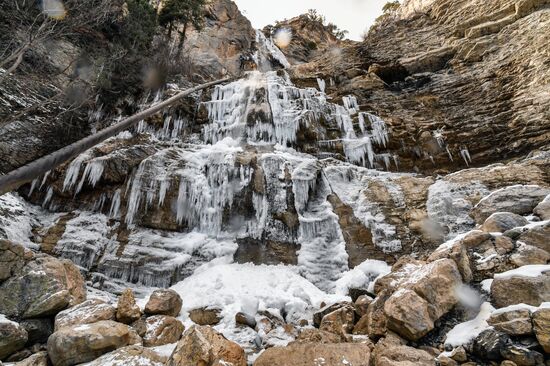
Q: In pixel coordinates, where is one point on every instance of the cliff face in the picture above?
(453, 78)
(403, 172)
(227, 34)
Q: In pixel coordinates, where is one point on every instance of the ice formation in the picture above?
(245, 155)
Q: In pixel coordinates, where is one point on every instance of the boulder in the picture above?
(514, 322)
(543, 209)
(518, 199)
(541, 326)
(489, 343)
(527, 254)
(319, 315)
(43, 286)
(127, 310)
(340, 321)
(245, 319)
(13, 337)
(38, 359)
(362, 304)
(205, 316)
(90, 311)
(203, 346)
(477, 254)
(425, 292)
(12, 259)
(537, 236)
(314, 335)
(392, 351)
(307, 354)
(503, 221)
(164, 302)
(84, 343)
(130, 356)
(362, 326)
(522, 356)
(161, 330)
(528, 285)
(408, 314)
(459, 354)
(376, 319)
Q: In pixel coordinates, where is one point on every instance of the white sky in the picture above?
(352, 15)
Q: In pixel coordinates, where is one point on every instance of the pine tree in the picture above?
(185, 12)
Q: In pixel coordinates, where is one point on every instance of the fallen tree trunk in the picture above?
(35, 169)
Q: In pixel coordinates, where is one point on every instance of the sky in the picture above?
(354, 16)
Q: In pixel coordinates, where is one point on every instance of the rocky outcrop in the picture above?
(226, 35)
(39, 285)
(84, 343)
(302, 38)
(412, 67)
(204, 346)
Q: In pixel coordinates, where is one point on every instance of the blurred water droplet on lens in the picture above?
(282, 37)
(54, 9)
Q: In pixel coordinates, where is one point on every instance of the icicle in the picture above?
(92, 172)
(33, 186)
(465, 155)
(115, 204)
(449, 153)
(44, 179)
(322, 85)
(48, 197)
(438, 135)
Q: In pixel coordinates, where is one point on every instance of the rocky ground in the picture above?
(384, 202)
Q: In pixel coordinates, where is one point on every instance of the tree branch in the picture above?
(27, 173)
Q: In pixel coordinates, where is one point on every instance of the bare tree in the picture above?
(29, 24)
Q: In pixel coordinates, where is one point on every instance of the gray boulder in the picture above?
(518, 199)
